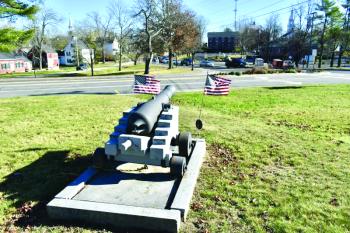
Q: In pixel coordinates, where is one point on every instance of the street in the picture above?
(183, 82)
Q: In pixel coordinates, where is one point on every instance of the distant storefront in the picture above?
(14, 64)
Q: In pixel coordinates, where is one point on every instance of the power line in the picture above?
(281, 9)
(272, 12)
(268, 6)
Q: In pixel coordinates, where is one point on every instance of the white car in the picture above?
(206, 63)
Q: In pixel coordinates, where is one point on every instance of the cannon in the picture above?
(149, 134)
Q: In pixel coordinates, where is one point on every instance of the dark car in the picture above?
(82, 67)
(186, 62)
(236, 63)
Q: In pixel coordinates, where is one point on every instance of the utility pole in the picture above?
(311, 31)
(236, 15)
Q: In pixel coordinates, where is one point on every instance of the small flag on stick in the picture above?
(216, 85)
(146, 84)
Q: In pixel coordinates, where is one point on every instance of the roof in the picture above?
(7, 56)
(223, 34)
(12, 56)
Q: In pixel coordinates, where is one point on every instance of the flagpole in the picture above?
(199, 123)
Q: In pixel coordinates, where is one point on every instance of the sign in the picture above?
(52, 61)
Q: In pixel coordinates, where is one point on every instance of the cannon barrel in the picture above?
(143, 120)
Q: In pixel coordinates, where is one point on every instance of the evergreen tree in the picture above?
(10, 37)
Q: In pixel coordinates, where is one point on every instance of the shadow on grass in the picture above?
(284, 87)
(30, 189)
(75, 93)
(38, 183)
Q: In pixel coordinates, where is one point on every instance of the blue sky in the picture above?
(218, 13)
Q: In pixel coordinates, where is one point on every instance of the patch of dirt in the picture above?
(196, 206)
(221, 157)
(303, 127)
(25, 217)
(334, 201)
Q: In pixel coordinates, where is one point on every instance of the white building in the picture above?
(291, 24)
(111, 48)
(73, 49)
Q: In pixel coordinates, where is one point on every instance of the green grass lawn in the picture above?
(278, 158)
(107, 69)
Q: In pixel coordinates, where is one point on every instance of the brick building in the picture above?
(222, 41)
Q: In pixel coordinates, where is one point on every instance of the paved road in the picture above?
(123, 84)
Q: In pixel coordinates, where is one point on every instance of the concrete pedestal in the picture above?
(130, 197)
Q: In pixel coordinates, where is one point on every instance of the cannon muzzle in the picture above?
(143, 120)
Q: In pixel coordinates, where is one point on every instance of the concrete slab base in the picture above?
(131, 196)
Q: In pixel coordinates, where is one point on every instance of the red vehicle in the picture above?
(277, 63)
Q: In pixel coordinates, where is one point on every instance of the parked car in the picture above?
(259, 62)
(186, 62)
(165, 60)
(162, 59)
(176, 62)
(155, 60)
(206, 63)
(288, 64)
(82, 66)
(236, 63)
(251, 59)
(277, 63)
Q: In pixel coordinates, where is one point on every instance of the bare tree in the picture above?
(173, 20)
(269, 34)
(89, 37)
(124, 24)
(148, 12)
(137, 45)
(46, 18)
(102, 27)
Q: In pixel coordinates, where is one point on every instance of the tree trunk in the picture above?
(103, 56)
(120, 56)
(120, 60)
(332, 58)
(170, 58)
(40, 58)
(340, 56)
(92, 63)
(149, 56)
(148, 62)
(322, 43)
(192, 62)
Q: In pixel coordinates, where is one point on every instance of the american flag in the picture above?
(145, 84)
(216, 85)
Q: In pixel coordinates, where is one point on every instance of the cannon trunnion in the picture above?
(149, 134)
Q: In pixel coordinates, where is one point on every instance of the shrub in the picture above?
(259, 71)
(290, 71)
(238, 73)
(248, 72)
